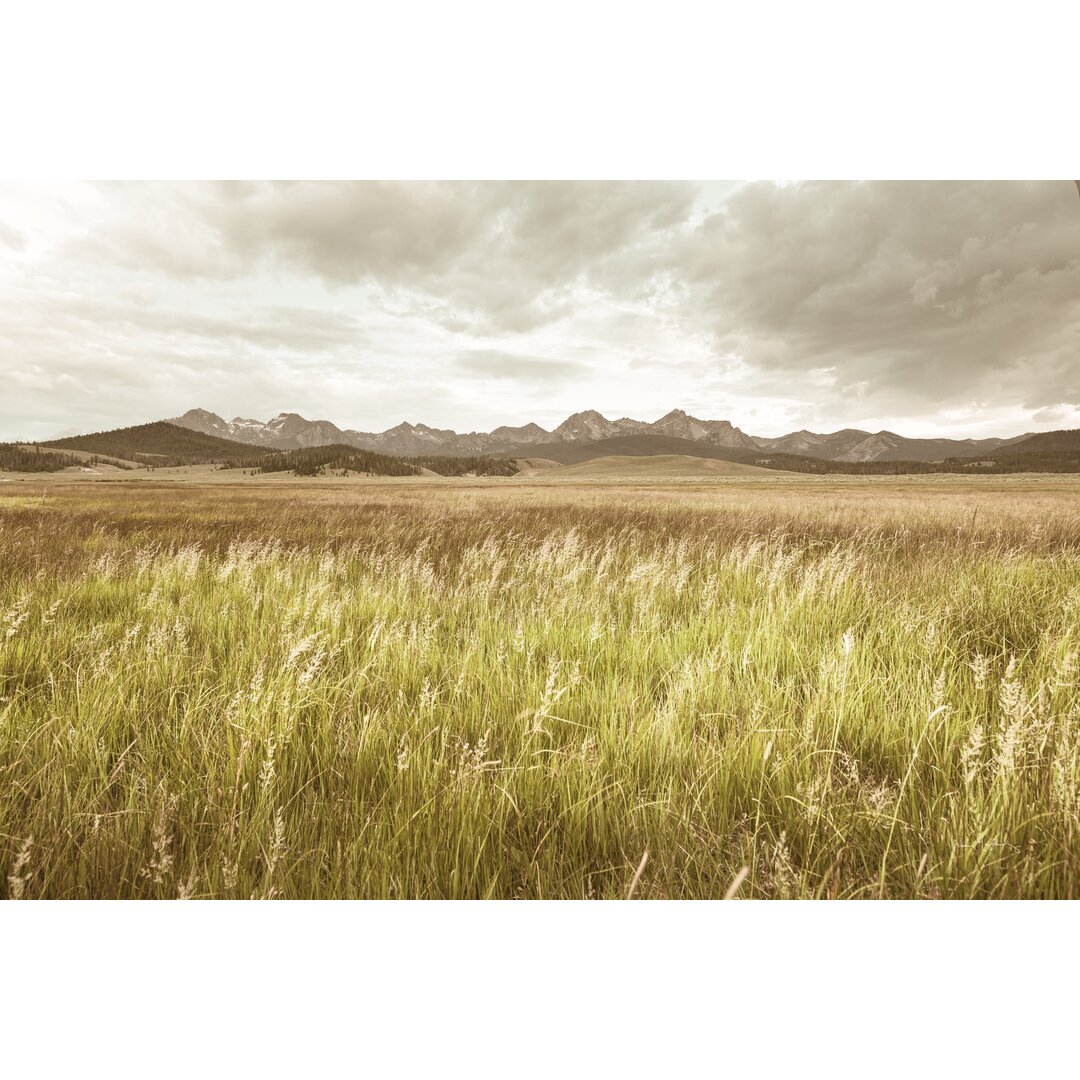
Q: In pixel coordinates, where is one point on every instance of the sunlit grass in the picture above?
(501, 692)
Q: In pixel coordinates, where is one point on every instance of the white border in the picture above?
(511, 989)
(495, 90)
(567, 88)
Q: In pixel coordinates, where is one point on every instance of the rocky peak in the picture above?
(287, 423)
(204, 421)
(201, 414)
(586, 425)
(681, 425)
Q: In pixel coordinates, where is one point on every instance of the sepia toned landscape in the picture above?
(540, 540)
(539, 687)
(537, 609)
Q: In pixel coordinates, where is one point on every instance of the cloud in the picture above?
(102, 357)
(947, 306)
(1058, 414)
(911, 294)
(12, 237)
(501, 365)
(278, 328)
(486, 257)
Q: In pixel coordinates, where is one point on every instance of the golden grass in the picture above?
(513, 689)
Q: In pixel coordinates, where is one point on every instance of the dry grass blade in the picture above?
(733, 888)
(632, 888)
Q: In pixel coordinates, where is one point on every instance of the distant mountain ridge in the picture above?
(290, 431)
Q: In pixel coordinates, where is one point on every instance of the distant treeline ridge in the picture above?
(33, 459)
(318, 460)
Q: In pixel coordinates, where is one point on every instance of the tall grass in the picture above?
(518, 691)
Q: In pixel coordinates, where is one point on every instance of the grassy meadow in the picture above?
(511, 689)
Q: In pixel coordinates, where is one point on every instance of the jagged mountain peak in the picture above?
(284, 418)
(588, 424)
(586, 414)
(290, 430)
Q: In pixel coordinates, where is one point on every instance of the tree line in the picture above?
(337, 457)
(33, 459)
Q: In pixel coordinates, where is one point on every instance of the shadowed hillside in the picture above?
(1044, 442)
(337, 457)
(159, 443)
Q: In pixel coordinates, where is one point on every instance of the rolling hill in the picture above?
(159, 443)
(655, 467)
(1043, 442)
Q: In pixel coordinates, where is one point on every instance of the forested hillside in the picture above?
(159, 443)
(23, 459)
(337, 457)
(467, 466)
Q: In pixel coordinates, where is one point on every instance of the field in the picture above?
(785, 687)
(658, 467)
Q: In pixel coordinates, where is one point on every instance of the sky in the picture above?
(936, 308)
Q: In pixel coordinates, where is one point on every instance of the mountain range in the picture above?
(290, 431)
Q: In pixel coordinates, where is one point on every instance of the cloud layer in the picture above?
(931, 307)
(910, 296)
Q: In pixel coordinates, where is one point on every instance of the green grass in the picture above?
(860, 691)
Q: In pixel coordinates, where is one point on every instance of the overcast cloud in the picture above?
(949, 308)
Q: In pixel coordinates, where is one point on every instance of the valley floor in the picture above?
(770, 686)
